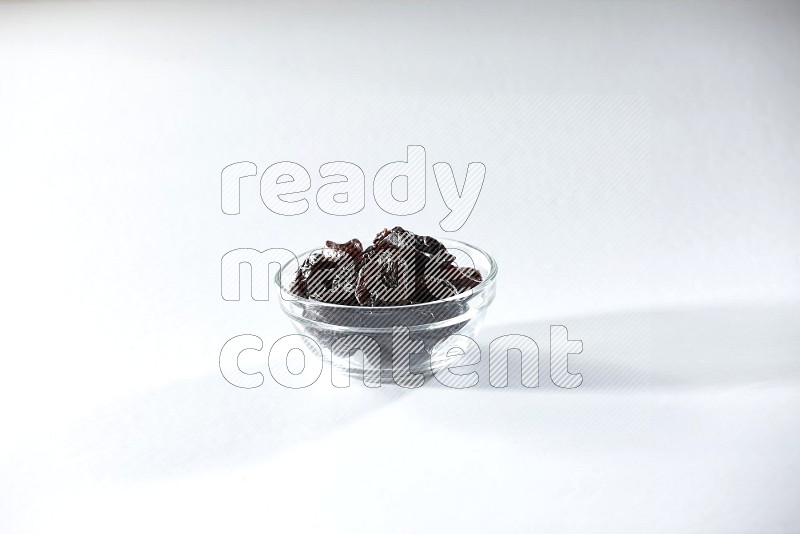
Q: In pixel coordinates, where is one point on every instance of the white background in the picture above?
(642, 188)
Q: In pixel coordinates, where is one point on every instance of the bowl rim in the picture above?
(468, 293)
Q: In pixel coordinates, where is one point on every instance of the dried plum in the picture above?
(352, 247)
(399, 268)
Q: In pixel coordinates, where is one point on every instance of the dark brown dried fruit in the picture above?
(352, 247)
(399, 268)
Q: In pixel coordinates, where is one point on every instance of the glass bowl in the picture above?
(371, 343)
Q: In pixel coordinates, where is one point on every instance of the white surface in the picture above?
(644, 155)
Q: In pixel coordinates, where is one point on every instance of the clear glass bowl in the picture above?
(359, 340)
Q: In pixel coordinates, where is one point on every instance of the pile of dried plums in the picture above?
(399, 268)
